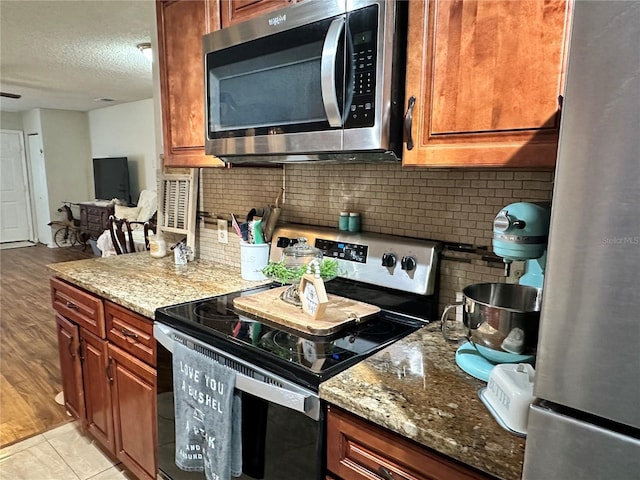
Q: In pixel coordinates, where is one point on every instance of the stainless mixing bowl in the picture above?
(501, 320)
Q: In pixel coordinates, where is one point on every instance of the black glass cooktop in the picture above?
(304, 359)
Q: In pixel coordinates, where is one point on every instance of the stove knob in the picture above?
(388, 260)
(408, 263)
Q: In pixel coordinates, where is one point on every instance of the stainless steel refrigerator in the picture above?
(585, 423)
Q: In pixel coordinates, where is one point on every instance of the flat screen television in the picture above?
(111, 178)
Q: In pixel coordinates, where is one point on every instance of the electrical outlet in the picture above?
(223, 231)
(458, 310)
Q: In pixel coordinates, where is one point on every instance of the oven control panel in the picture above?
(401, 263)
(351, 252)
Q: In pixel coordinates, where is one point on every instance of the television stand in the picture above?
(94, 218)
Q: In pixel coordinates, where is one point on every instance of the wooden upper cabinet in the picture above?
(236, 11)
(486, 76)
(181, 25)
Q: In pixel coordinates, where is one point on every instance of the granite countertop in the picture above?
(142, 283)
(414, 388)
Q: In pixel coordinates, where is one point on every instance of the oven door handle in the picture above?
(295, 397)
(292, 400)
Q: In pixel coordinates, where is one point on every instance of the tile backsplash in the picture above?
(449, 205)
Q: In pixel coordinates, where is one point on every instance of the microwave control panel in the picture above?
(363, 28)
(351, 252)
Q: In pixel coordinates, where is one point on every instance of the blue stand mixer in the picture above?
(520, 232)
(502, 319)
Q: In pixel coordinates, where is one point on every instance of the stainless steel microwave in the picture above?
(318, 80)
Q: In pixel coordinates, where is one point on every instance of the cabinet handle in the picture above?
(73, 306)
(129, 333)
(408, 121)
(388, 475)
(70, 347)
(109, 370)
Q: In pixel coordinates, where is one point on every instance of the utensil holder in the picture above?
(253, 258)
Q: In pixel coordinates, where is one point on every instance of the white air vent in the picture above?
(178, 204)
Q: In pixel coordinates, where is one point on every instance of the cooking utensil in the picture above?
(501, 320)
(271, 216)
(235, 225)
(276, 204)
(269, 224)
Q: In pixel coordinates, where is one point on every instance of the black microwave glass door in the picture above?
(273, 84)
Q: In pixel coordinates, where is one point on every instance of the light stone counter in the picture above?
(143, 283)
(414, 388)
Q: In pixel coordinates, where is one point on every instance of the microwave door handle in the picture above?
(328, 72)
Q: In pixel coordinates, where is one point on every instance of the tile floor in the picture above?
(59, 454)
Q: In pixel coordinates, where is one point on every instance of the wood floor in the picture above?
(29, 365)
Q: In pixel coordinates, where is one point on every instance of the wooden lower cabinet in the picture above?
(97, 392)
(358, 450)
(133, 394)
(70, 366)
(109, 380)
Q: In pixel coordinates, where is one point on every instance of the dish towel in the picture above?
(207, 414)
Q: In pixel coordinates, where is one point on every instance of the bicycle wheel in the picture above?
(64, 237)
(73, 237)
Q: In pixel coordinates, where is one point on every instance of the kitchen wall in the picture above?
(10, 121)
(127, 130)
(449, 205)
(58, 155)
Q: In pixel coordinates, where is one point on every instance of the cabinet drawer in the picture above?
(131, 332)
(79, 306)
(359, 450)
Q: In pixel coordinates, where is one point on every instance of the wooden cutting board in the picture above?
(339, 313)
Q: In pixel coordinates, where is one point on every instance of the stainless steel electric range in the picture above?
(279, 370)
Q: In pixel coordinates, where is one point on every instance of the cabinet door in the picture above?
(70, 366)
(236, 11)
(181, 25)
(486, 76)
(97, 374)
(359, 450)
(134, 406)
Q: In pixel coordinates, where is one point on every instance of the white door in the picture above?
(15, 211)
(40, 190)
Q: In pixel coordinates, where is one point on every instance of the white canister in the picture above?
(157, 246)
(253, 258)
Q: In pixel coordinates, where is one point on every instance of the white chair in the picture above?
(136, 217)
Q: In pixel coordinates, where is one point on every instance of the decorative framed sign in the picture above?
(313, 296)
(311, 354)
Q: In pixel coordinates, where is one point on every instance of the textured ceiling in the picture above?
(63, 54)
